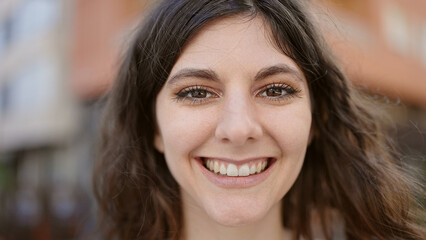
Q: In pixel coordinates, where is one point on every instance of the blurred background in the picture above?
(57, 58)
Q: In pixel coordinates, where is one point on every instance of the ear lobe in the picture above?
(158, 143)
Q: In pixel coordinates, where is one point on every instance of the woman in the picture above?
(230, 120)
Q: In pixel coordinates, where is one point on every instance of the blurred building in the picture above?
(57, 57)
(39, 119)
(382, 47)
(382, 44)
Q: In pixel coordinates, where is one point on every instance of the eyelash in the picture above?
(289, 91)
(183, 94)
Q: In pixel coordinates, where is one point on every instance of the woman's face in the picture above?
(234, 122)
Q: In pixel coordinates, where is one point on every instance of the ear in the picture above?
(158, 142)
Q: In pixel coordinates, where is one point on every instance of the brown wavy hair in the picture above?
(350, 170)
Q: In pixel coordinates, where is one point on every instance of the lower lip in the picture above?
(236, 182)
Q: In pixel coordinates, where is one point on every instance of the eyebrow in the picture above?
(210, 75)
(277, 69)
(206, 74)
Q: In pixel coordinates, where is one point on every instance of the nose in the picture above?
(238, 123)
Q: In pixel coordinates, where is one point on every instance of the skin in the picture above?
(236, 117)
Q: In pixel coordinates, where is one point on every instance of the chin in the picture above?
(236, 219)
(235, 213)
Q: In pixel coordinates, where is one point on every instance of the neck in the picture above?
(197, 225)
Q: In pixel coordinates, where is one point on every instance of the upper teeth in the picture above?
(230, 169)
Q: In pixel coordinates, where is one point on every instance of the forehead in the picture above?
(245, 42)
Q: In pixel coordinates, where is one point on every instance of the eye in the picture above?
(277, 91)
(196, 94)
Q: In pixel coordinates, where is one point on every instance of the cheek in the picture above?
(290, 128)
(184, 130)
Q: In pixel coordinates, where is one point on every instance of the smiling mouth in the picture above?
(224, 168)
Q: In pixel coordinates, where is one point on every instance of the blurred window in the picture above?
(4, 97)
(33, 17)
(34, 87)
(5, 35)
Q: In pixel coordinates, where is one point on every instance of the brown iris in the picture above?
(274, 92)
(199, 93)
